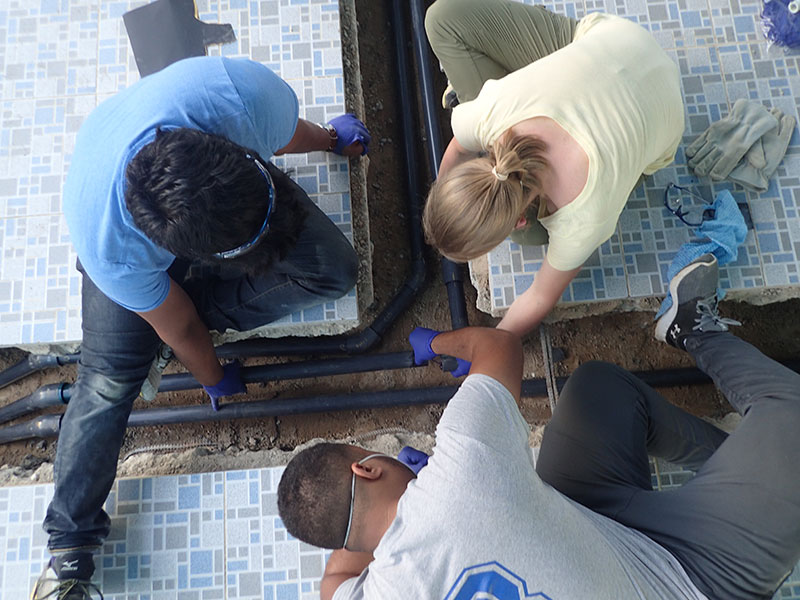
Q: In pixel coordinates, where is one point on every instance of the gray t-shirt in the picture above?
(478, 522)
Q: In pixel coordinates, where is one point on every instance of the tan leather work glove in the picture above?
(720, 147)
(757, 167)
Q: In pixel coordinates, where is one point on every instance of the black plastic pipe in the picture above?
(35, 362)
(302, 370)
(46, 396)
(59, 393)
(48, 425)
(452, 273)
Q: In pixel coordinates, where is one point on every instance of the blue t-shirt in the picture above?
(236, 98)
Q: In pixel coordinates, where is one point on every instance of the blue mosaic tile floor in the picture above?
(722, 56)
(196, 537)
(58, 60)
(186, 537)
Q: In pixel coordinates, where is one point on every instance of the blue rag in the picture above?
(720, 236)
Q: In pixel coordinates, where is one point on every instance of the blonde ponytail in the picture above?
(475, 206)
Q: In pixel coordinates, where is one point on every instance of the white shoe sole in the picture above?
(668, 317)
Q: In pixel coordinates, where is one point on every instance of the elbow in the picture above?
(510, 341)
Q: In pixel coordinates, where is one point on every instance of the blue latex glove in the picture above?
(412, 458)
(348, 131)
(463, 368)
(230, 384)
(420, 340)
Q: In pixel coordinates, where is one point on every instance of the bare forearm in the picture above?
(525, 314)
(194, 349)
(492, 352)
(308, 137)
(342, 565)
(177, 323)
(527, 311)
(467, 343)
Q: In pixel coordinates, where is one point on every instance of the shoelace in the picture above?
(709, 316)
(66, 586)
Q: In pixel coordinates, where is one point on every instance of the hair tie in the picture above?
(500, 176)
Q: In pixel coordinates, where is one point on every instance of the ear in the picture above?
(371, 472)
(521, 222)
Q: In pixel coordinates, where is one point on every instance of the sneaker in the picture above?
(50, 586)
(694, 303)
(449, 98)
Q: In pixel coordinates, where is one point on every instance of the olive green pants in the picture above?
(477, 40)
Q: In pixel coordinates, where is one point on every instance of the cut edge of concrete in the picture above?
(567, 311)
(154, 462)
(354, 101)
(201, 459)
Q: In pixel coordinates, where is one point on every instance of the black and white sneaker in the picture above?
(694, 303)
(449, 98)
(67, 577)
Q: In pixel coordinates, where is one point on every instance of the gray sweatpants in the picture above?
(735, 527)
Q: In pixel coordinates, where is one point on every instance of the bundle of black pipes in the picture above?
(358, 343)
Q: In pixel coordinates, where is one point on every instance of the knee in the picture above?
(343, 277)
(436, 17)
(595, 369)
(104, 388)
(586, 384)
(349, 273)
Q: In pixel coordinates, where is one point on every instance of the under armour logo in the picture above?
(69, 565)
(675, 330)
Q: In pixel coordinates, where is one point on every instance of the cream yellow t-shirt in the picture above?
(617, 93)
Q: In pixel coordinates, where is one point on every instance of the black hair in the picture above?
(195, 194)
(314, 494)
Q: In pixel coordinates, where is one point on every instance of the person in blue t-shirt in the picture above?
(171, 173)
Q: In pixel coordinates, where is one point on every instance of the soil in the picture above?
(622, 338)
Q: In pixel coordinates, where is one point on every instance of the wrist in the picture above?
(216, 378)
(431, 341)
(333, 135)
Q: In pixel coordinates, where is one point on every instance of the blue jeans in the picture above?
(118, 347)
(735, 527)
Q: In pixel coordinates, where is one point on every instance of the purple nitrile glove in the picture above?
(420, 340)
(462, 369)
(230, 384)
(412, 458)
(348, 131)
(457, 367)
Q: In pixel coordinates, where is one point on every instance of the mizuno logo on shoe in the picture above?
(675, 330)
(69, 565)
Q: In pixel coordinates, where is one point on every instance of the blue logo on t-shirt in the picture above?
(491, 581)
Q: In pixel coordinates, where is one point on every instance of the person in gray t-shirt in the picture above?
(480, 522)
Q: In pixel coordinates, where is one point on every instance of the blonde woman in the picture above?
(557, 120)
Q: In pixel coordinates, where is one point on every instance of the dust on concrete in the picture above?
(624, 338)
